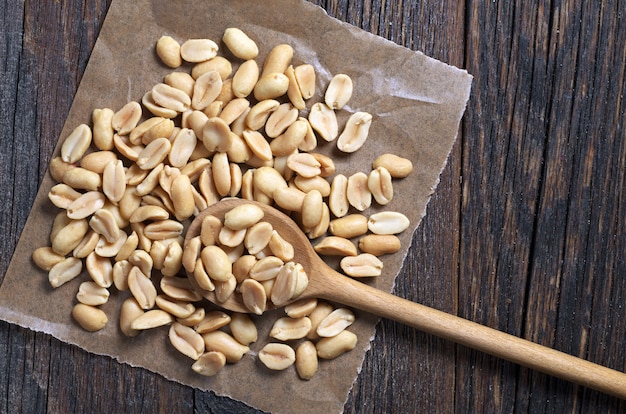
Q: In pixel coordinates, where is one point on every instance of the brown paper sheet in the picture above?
(417, 103)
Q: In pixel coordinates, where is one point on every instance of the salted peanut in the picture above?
(64, 271)
(239, 152)
(225, 289)
(280, 247)
(288, 142)
(45, 258)
(388, 222)
(242, 266)
(334, 323)
(148, 213)
(331, 348)
(260, 112)
(156, 109)
(245, 78)
(380, 185)
(114, 209)
(97, 160)
(358, 192)
(231, 238)
(62, 196)
(234, 109)
(258, 144)
(100, 269)
(221, 173)
(198, 50)
(226, 94)
(338, 197)
(271, 86)
(210, 230)
(90, 293)
(243, 216)
(309, 143)
(69, 236)
(355, 132)
(60, 221)
(194, 168)
(179, 288)
(301, 308)
(277, 356)
(206, 89)
(289, 198)
(321, 311)
(362, 265)
(312, 209)
(304, 164)
(121, 269)
(126, 148)
(183, 203)
(171, 98)
(321, 228)
(104, 223)
(142, 288)
(102, 130)
(186, 340)
(308, 184)
(143, 260)
(154, 153)
(339, 91)
(114, 181)
(194, 319)
(151, 319)
(280, 119)
(158, 252)
(164, 229)
(336, 246)
(216, 135)
(379, 244)
(195, 120)
(124, 120)
(247, 185)
(218, 64)
(278, 59)
(84, 205)
(90, 318)
(293, 91)
(143, 242)
(290, 283)
(201, 277)
(105, 248)
(268, 180)
(58, 168)
(150, 182)
(206, 185)
(76, 143)
(178, 308)
(236, 179)
(191, 253)
(209, 364)
(253, 295)
(213, 321)
(180, 80)
(305, 75)
(327, 165)
(82, 179)
(266, 268)
(302, 281)
(239, 125)
(128, 247)
(172, 262)
(182, 147)
(129, 311)
(324, 121)
(397, 166)
(168, 50)
(306, 360)
(223, 342)
(216, 263)
(258, 237)
(286, 328)
(268, 285)
(240, 44)
(243, 328)
(150, 129)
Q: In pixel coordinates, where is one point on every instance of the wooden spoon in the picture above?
(326, 283)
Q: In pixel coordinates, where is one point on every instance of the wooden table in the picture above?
(524, 234)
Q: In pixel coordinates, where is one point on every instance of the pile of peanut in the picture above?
(130, 183)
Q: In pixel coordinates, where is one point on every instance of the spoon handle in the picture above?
(479, 337)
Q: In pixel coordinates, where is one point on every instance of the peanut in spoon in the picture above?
(326, 283)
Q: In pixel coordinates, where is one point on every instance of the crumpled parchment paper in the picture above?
(416, 101)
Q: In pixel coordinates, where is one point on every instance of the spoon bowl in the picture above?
(326, 283)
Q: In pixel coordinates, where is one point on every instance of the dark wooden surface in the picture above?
(524, 234)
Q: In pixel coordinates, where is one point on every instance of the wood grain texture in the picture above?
(524, 234)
